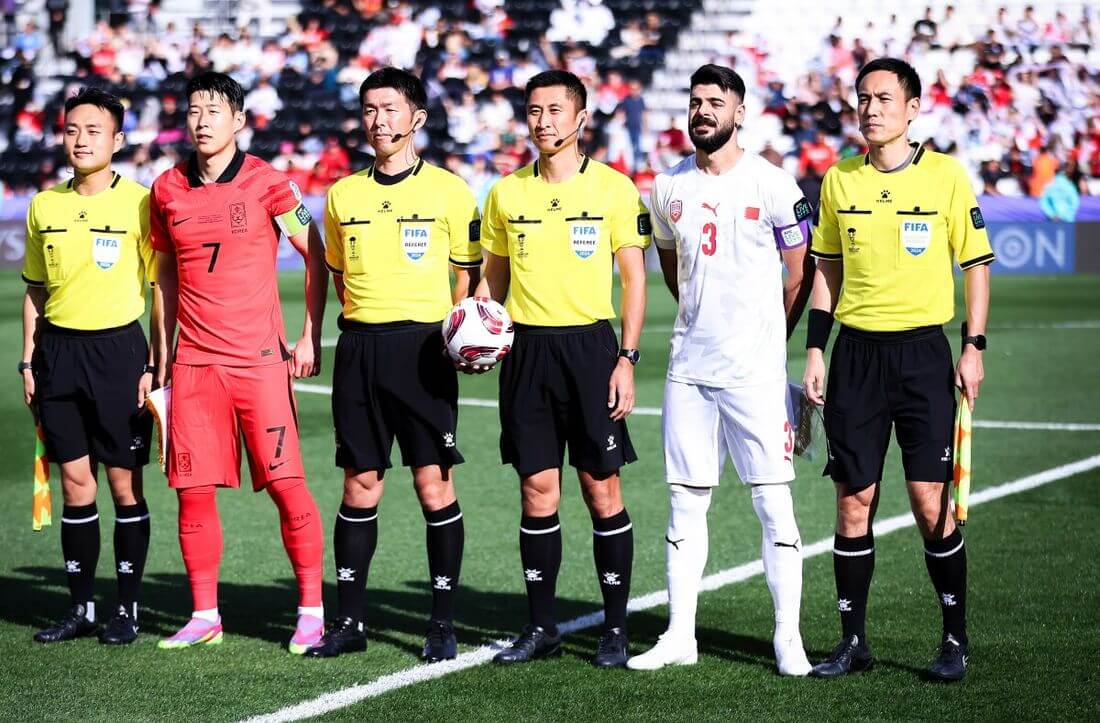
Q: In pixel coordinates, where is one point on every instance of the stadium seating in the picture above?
(322, 49)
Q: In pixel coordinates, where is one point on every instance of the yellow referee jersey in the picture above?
(393, 243)
(897, 234)
(92, 253)
(560, 239)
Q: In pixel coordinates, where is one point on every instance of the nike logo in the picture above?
(177, 223)
(675, 543)
(272, 466)
(787, 544)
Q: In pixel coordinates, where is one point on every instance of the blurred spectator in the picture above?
(1043, 169)
(57, 12)
(1060, 199)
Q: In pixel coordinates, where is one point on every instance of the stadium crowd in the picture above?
(1017, 102)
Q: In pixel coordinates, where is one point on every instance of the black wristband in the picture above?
(821, 325)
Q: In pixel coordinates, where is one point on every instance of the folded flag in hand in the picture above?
(40, 508)
(159, 403)
(962, 460)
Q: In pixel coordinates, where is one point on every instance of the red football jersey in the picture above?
(226, 242)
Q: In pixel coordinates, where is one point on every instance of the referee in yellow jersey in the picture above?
(86, 366)
(553, 231)
(891, 224)
(394, 232)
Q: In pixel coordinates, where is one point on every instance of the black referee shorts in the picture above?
(392, 380)
(86, 384)
(878, 379)
(553, 392)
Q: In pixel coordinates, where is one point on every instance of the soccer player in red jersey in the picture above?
(216, 219)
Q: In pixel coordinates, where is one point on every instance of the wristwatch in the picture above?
(631, 355)
(977, 340)
(24, 366)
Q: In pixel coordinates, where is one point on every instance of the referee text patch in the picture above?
(976, 217)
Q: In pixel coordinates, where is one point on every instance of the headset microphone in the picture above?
(558, 143)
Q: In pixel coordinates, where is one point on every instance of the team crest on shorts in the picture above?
(675, 210)
(415, 240)
(105, 251)
(585, 236)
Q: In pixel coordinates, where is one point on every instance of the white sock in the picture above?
(686, 546)
(317, 612)
(210, 616)
(89, 611)
(781, 551)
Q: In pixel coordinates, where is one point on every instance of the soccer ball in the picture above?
(478, 331)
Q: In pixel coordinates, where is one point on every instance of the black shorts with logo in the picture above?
(86, 386)
(553, 393)
(903, 379)
(392, 380)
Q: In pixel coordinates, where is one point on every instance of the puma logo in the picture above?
(713, 209)
(787, 544)
(675, 543)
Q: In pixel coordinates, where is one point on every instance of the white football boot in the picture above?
(669, 650)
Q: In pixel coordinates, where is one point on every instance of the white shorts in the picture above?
(702, 425)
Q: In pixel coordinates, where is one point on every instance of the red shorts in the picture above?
(213, 405)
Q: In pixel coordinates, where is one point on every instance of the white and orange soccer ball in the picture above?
(478, 331)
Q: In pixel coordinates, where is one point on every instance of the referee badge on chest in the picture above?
(585, 236)
(415, 240)
(105, 251)
(916, 236)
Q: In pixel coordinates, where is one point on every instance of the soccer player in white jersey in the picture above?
(726, 223)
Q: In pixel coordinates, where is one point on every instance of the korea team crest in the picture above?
(415, 240)
(585, 236)
(675, 210)
(105, 251)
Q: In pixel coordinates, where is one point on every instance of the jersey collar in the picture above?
(915, 156)
(114, 181)
(583, 168)
(383, 179)
(230, 172)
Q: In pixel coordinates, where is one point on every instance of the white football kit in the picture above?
(727, 384)
(727, 377)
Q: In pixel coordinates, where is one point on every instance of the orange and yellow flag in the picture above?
(40, 510)
(962, 460)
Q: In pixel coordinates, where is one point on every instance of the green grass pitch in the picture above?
(1034, 607)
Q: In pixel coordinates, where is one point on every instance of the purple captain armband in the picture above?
(793, 236)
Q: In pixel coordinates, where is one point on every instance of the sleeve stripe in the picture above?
(472, 264)
(987, 259)
(822, 255)
(333, 269)
(32, 282)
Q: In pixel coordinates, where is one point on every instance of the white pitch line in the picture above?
(656, 412)
(479, 656)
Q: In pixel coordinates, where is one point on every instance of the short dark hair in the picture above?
(400, 80)
(218, 84)
(574, 88)
(907, 74)
(100, 99)
(725, 78)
